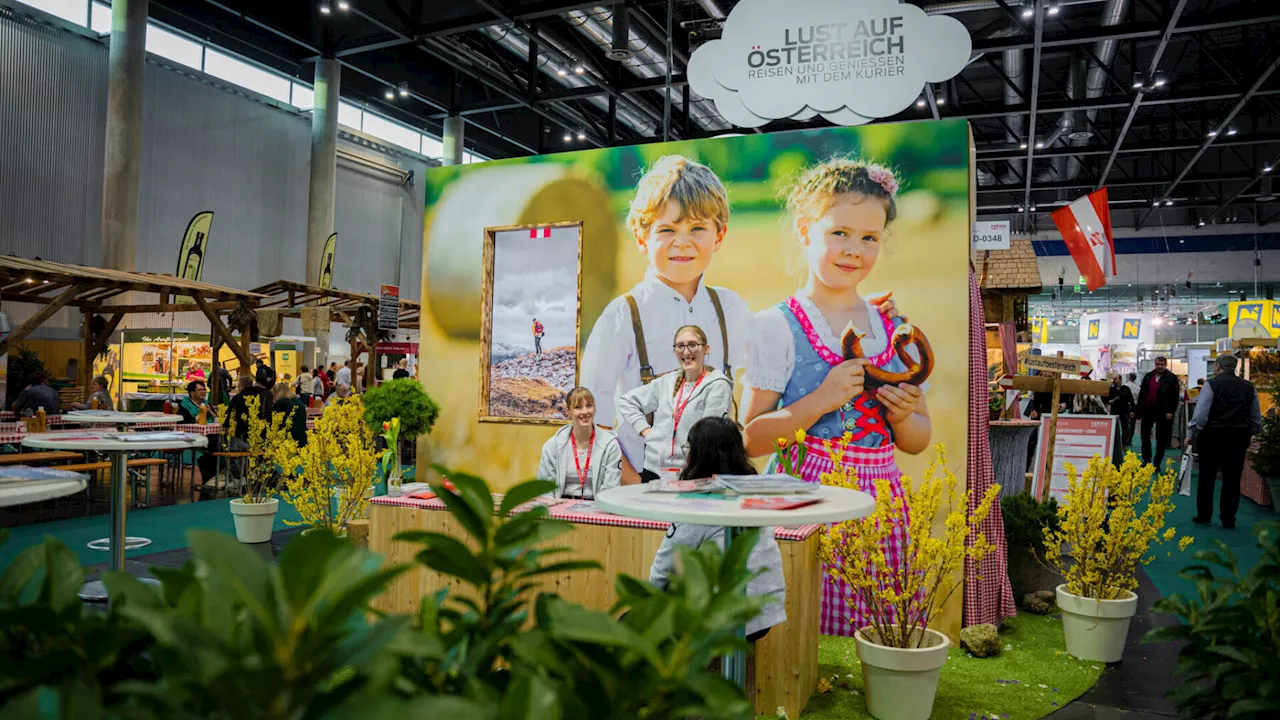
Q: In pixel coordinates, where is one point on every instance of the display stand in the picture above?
(108, 443)
(838, 504)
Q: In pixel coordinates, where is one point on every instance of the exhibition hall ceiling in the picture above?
(1174, 105)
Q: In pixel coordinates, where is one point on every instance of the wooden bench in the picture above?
(49, 456)
(103, 465)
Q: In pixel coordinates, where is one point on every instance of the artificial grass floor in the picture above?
(1030, 679)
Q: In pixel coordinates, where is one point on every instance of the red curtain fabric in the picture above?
(988, 597)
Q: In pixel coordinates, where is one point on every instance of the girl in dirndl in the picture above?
(796, 376)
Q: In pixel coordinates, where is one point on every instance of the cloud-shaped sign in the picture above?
(847, 60)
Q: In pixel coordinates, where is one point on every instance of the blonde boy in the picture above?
(678, 218)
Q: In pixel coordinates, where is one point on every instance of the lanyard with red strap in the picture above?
(583, 471)
(678, 410)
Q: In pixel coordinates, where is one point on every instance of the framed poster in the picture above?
(1079, 438)
(530, 322)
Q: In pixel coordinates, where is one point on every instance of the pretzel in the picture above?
(904, 336)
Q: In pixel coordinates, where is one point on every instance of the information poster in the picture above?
(1079, 438)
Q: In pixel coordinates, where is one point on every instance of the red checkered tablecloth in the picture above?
(1254, 486)
(585, 512)
(988, 597)
(8, 415)
(199, 429)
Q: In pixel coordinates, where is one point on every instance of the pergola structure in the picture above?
(358, 311)
(57, 285)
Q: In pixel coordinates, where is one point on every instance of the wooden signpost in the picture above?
(1050, 380)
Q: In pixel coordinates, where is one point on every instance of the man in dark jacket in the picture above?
(1227, 416)
(1158, 398)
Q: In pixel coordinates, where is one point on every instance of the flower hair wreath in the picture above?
(884, 178)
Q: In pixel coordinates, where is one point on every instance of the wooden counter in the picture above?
(786, 660)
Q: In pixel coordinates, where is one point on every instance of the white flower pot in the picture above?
(254, 520)
(1095, 629)
(901, 683)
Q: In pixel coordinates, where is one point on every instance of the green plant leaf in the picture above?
(475, 521)
(241, 571)
(1232, 653)
(567, 621)
(302, 565)
(524, 492)
(1252, 705)
(563, 567)
(735, 558)
(448, 555)
(529, 697)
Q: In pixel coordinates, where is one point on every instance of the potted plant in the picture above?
(254, 511)
(1025, 522)
(1229, 634)
(330, 479)
(1265, 459)
(1109, 519)
(995, 402)
(390, 463)
(404, 399)
(901, 655)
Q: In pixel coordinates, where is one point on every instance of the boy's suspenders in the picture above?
(642, 350)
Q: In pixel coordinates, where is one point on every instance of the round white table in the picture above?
(110, 444)
(29, 491)
(838, 504)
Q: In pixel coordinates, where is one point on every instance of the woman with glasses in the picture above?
(580, 458)
(664, 410)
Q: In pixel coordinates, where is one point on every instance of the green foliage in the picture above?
(1026, 521)
(23, 363)
(231, 635)
(1230, 634)
(404, 399)
(1266, 459)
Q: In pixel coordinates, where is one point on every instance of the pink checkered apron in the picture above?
(842, 611)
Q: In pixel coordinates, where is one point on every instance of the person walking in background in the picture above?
(303, 385)
(344, 373)
(1227, 416)
(264, 374)
(402, 370)
(538, 332)
(1120, 403)
(332, 372)
(1131, 382)
(1158, 400)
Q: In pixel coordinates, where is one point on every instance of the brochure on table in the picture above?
(1079, 438)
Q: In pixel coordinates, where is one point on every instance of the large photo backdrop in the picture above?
(922, 259)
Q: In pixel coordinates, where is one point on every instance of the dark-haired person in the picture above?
(189, 408)
(581, 458)
(676, 400)
(716, 448)
(1227, 416)
(37, 395)
(303, 385)
(1158, 399)
(285, 403)
(239, 412)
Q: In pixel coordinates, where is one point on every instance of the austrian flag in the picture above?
(1086, 228)
(540, 232)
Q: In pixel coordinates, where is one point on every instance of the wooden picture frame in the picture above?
(486, 413)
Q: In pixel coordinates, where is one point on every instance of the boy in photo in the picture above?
(678, 217)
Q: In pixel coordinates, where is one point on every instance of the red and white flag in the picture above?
(1086, 228)
(540, 232)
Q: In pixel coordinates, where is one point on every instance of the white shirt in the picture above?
(611, 365)
(344, 376)
(771, 355)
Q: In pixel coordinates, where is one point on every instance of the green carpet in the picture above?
(166, 526)
(1032, 678)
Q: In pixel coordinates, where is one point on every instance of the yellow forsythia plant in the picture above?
(1108, 521)
(339, 455)
(902, 597)
(267, 439)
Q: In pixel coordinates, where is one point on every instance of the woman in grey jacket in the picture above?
(676, 401)
(715, 448)
(581, 458)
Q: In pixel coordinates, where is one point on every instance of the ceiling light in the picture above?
(582, 135)
(579, 69)
(940, 101)
(324, 8)
(1231, 131)
(1200, 224)
(568, 137)
(1033, 208)
(1023, 146)
(1137, 83)
(1159, 81)
(1155, 203)
(1039, 145)
(1213, 133)
(1027, 13)
(560, 72)
(1167, 203)
(343, 5)
(29, 281)
(389, 94)
(1053, 9)
(1266, 168)
(920, 103)
(404, 90)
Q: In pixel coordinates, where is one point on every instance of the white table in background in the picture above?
(838, 504)
(29, 491)
(118, 451)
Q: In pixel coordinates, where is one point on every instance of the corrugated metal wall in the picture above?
(205, 147)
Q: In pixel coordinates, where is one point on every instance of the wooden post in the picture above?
(1053, 435)
(215, 377)
(87, 353)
